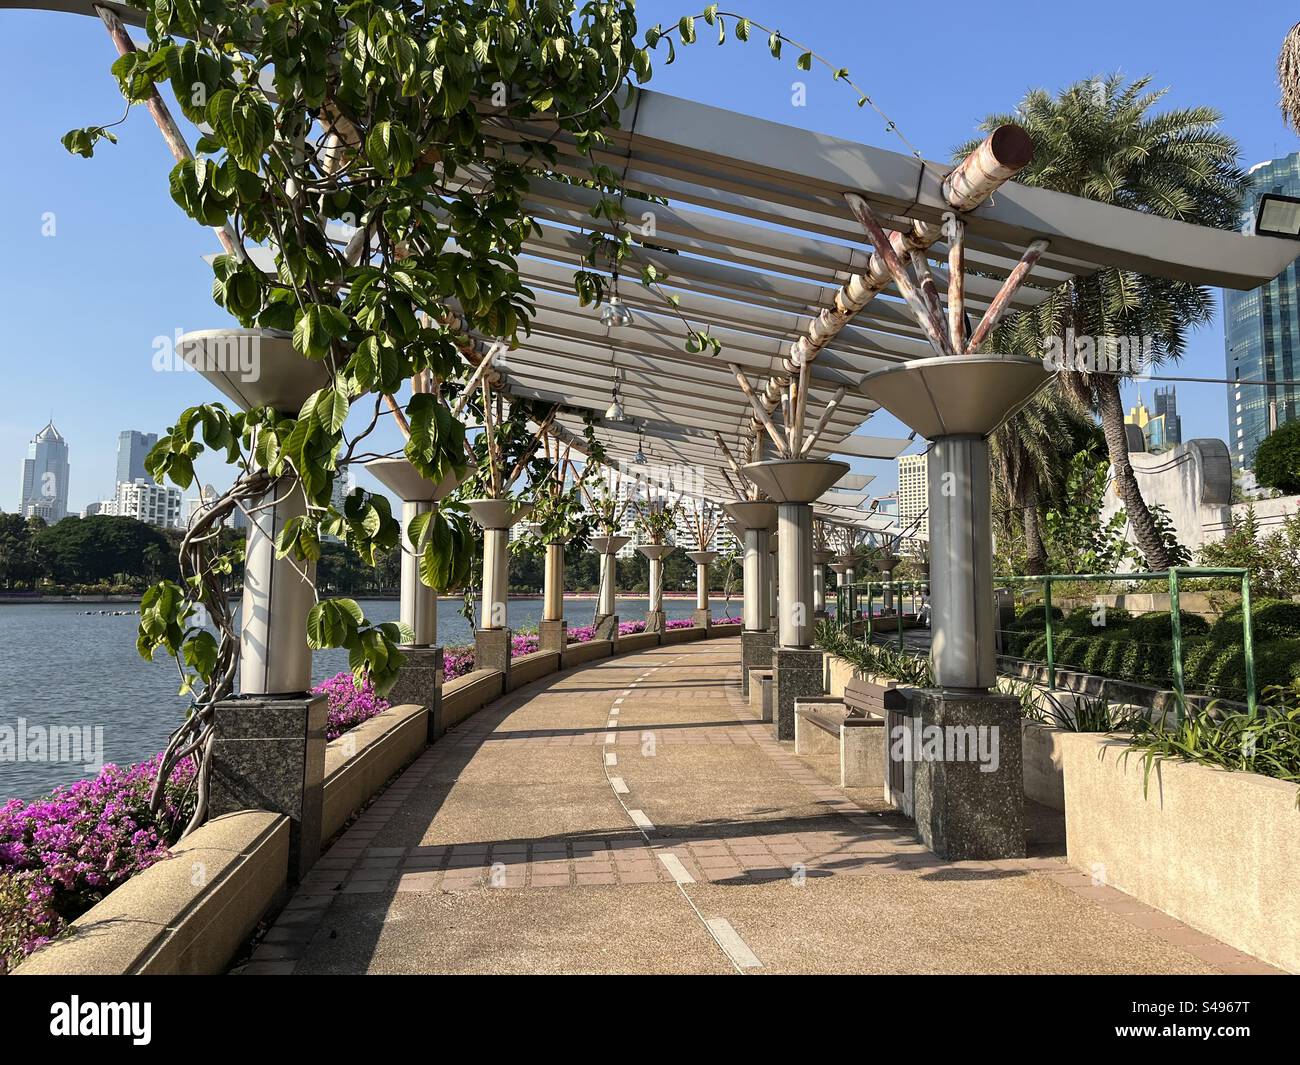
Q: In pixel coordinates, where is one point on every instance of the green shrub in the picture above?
(1270, 619)
(1159, 626)
(1034, 616)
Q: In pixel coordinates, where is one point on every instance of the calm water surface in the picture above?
(60, 666)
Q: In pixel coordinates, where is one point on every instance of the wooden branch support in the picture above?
(957, 285)
(759, 412)
(993, 313)
(930, 294)
(930, 324)
(822, 422)
(482, 368)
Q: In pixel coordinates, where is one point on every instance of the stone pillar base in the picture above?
(492, 651)
(963, 812)
(654, 621)
(269, 754)
(419, 681)
(755, 653)
(798, 673)
(552, 635)
(606, 627)
(703, 618)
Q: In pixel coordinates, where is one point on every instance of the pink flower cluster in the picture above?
(61, 854)
(350, 703)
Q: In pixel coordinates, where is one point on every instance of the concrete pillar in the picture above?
(268, 747)
(795, 563)
(274, 658)
(702, 559)
(492, 640)
(757, 582)
(961, 568)
(494, 610)
(773, 582)
(606, 627)
(656, 553)
(821, 583)
(552, 631)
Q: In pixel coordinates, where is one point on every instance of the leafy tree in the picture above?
(1031, 457)
(1101, 140)
(1277, 459)
(103, 548)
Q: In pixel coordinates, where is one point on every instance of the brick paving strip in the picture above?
(728, 812)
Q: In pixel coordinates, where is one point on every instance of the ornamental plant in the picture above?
(353, 143)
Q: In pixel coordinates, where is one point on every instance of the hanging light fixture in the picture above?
(639, 457)
(615, 313)
(615, 412)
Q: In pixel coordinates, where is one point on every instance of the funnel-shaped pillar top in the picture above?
(750, 514)
(610, 545)
(956, 395)
(795, 480)
(254, 367)
(497, 513)
(701, 558)
(401, 478)
(654, 552)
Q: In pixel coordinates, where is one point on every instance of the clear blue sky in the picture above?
(82, 308)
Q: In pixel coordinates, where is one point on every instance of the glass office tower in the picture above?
(1261, 333)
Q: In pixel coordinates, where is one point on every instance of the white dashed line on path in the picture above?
(611, 758)
(641, 821)
(729, 940)
(620, 788)
(675, 868)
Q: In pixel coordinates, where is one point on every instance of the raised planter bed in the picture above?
(1217, 850)
(358, 762)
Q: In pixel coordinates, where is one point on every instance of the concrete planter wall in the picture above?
(470, 693)
(359, 762)
(638, 641)
(161, 922)
(577, 654)
(1043, 763)
(1217, 850)
(531, 667)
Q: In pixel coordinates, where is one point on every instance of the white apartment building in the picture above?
(914, 491)
(145, 501)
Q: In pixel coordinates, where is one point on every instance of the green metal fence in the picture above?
(1171, 578)
(849, 601)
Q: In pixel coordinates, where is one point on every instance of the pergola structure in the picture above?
(817, 264)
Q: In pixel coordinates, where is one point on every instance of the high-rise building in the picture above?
(132, 447)
(1166, 402)
(145, 501)
(1262, 332)
(1153, 427)
(45, 477)
(914, 491)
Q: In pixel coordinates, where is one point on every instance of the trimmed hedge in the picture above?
(1209, 665)
(1270, 619)
(1160, 626)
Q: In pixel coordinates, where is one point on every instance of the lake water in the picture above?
(60, 666)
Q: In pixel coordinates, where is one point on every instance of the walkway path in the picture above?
(630, 816)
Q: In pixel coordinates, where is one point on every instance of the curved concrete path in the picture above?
(630, 816)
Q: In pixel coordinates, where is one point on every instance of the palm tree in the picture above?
(1100, 140)
(1031, 460)
(1288, 77)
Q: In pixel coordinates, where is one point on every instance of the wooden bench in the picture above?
(761, 694)
(829, 727)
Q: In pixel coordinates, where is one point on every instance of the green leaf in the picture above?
(774, 45)
(805, 61)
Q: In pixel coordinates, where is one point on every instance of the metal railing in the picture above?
(1171, 578)
(848, 604)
